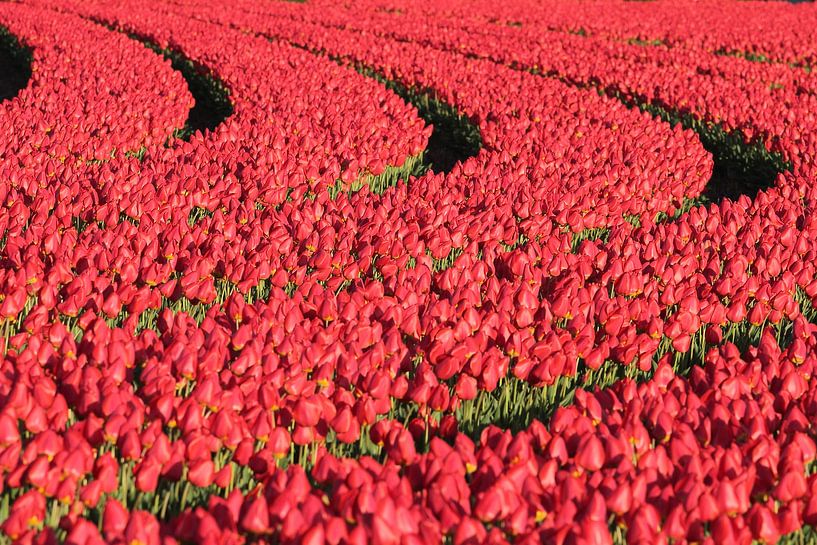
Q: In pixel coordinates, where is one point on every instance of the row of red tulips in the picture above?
(767, 31)
(764, 101)
(106, 233)
(143, 381)
(63, 118)
(627, 281)
(725, 456)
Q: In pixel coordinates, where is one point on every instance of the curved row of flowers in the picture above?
(123, 235)
(765, 102)
(224, 313)
(81, 75)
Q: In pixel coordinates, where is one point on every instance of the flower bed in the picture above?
(588, 319)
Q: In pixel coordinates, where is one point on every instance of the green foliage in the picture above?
(598, 233)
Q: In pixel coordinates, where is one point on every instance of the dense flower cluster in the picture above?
(290, 329)
(82, 75)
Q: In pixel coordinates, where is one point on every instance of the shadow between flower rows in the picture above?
(15, 65)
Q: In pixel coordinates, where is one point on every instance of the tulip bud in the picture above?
(255, 515)
(792, 486)
(620, 499)
(114, 519)
(314, 536)
(9, 432)
(91, 493)
(489, 505)
(763, 525)
(147, 476)
(201, 473)
(130, 446)
(590, 454)
(595, 532)
(307, 411)
(401, 446)
(142, 528)
(727, 499)
(645, 525)
(708, 507)
(111, 306)
(223, 477)
(466, 388)
(84, 533)
(723, 530)
(279, 442)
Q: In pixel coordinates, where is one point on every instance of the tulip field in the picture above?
(408, 272)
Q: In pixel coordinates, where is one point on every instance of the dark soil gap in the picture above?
(15, 65)
(454, 138)
(739, 168)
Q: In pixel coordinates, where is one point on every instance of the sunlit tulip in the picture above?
(255, 515)
(115, 519)
(590, 455)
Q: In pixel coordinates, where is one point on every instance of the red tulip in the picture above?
(279, 442)
(763, 525)
(223, 476)
(620, 500)
(255, 515)
(645, 525)
(314, 536)
(114, 519)
(722, 530)
(489, 505)
(147, 476)
(9, 433)
(590, 455)
(307, 412)
(201, 473)
(401, 447)
(142, 527)
(792, 486)
(84, 533)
